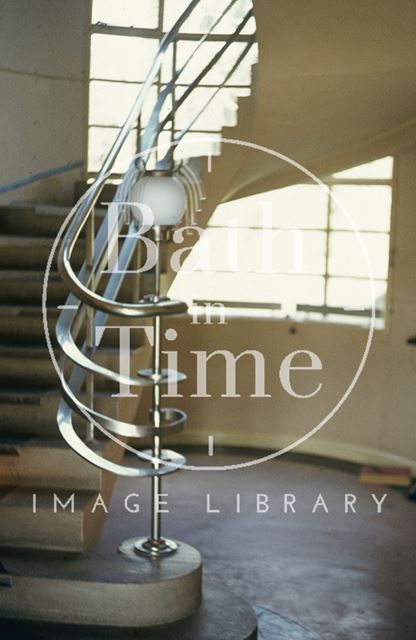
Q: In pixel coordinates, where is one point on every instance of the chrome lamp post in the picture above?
(162, 195)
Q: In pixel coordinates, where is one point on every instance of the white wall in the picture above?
(43, 76)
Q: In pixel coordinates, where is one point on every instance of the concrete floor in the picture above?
(342, 576)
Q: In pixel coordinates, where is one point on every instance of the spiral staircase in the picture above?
(34, 457)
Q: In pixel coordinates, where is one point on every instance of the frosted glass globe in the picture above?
(164, 195)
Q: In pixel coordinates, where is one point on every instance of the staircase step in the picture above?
(45, 529)
(50, 463)
(26, 286)
(14, 369)
(28, 219)
(33, 412)
(25, 252)
(22, 324)
(15, 372)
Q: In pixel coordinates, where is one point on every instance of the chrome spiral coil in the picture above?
(84, 305)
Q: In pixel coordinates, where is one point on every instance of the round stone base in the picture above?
(61, 597)
(117, 591)
(222, 615)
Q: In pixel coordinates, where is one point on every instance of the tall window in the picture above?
(125, 36)
(294, 253)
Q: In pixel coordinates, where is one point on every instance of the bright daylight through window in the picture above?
(288, 253)
(293, 253)
(124, 40)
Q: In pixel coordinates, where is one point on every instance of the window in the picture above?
(125, 36)
(293, 253)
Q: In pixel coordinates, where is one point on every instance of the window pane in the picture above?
(126, 13)
(250, 250)
(242, 74)
(99, 144)
(368, 206)
(343, 246)
(293, 251)
(195, 145)
(220, 69)
(354, 294)
(221, 111)
(121, 57)
(205, 14)
(381, 169)
(299, 206)
(274, 289)
(110, 102)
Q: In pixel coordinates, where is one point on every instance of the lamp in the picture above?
(165, 196)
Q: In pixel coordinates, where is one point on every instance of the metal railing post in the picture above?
(89, 318)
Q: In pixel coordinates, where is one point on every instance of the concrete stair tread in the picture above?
(33, 456)
(25, 286)
(73, 531)
(15, 372)
(25, 310)
(16, 240)
(32, 412)
(42, 208)
(28, 275)
(37, 396)
(24, 252)
(18, 498)
(39, 207)
(37, 350)
(24, 395)
(30, 219)
(16, 350)
(45, 208)
(31, 393)
(47, 442)
(22, 464)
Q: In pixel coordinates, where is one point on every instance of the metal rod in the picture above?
(155, 536)
(90, 319)
(228, 42)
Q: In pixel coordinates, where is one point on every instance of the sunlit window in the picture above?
(125, 36)
(303, 252)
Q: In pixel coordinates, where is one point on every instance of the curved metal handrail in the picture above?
(81, 213)
(230, 40)
(154, 127)
(83, 297)
(185, 130)
(149, 133)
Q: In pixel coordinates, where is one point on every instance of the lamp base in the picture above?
(147, 547)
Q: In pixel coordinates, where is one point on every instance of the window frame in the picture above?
(327, 310)
(155, 33)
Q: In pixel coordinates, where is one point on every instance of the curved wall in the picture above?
(377, 423)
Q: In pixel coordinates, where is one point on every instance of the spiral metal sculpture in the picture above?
(85, 305)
